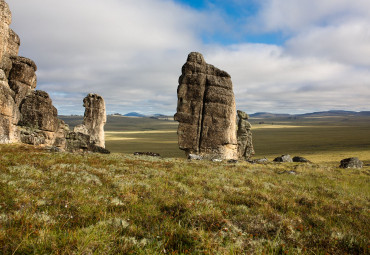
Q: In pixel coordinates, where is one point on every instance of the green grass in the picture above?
(122, 204)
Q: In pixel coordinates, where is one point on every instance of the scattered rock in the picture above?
(283, 159)
(259, 161)
(217, 160)
(206, 110)
(54, 149)
(300, 159)
(195, 157)
(151, 154)
(244, 134)
(351, 163)
(289, 172)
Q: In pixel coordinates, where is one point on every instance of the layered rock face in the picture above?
(27, 115)
(7, 48)
(206, 110)
(95, 118)
(244, 135)
(7, 111)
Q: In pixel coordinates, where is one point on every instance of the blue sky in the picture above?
(235, 15)
(284, 56)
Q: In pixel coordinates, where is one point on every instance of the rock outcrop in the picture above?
(28, 115)
(95, 118)
(206, 110)
(7, 107)
(244, 135)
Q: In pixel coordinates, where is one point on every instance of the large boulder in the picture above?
(351, 163)
(23, 71)
(206, 110)
(38, 112)
(244, 135)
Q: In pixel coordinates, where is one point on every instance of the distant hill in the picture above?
(265, 115)
(158, 115)
(365, 113)
(134, 114)
(334, 113)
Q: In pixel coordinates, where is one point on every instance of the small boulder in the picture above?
(351, 163)
(259, 161)
(232, 161)
(217, 160)
(195, 157)
(151, 154)
(284, 159)
(300, 159)
(98, 149)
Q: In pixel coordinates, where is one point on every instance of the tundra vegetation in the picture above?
(63, 203)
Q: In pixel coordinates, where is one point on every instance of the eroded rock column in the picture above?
(206, 110)
(244, 134)
(95, 118)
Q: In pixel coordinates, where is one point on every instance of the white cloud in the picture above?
(290, 16)
(348, 43)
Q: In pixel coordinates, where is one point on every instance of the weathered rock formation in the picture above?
(7, 111)
(95, 118)
(244, 135)
(206, 110)
(27, 115)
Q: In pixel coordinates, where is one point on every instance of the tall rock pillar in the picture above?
(95, 118)
(206, 110)
(245, 143)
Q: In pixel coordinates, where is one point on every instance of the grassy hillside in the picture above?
(121, 204)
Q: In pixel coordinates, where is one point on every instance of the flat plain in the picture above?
(323, 139)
